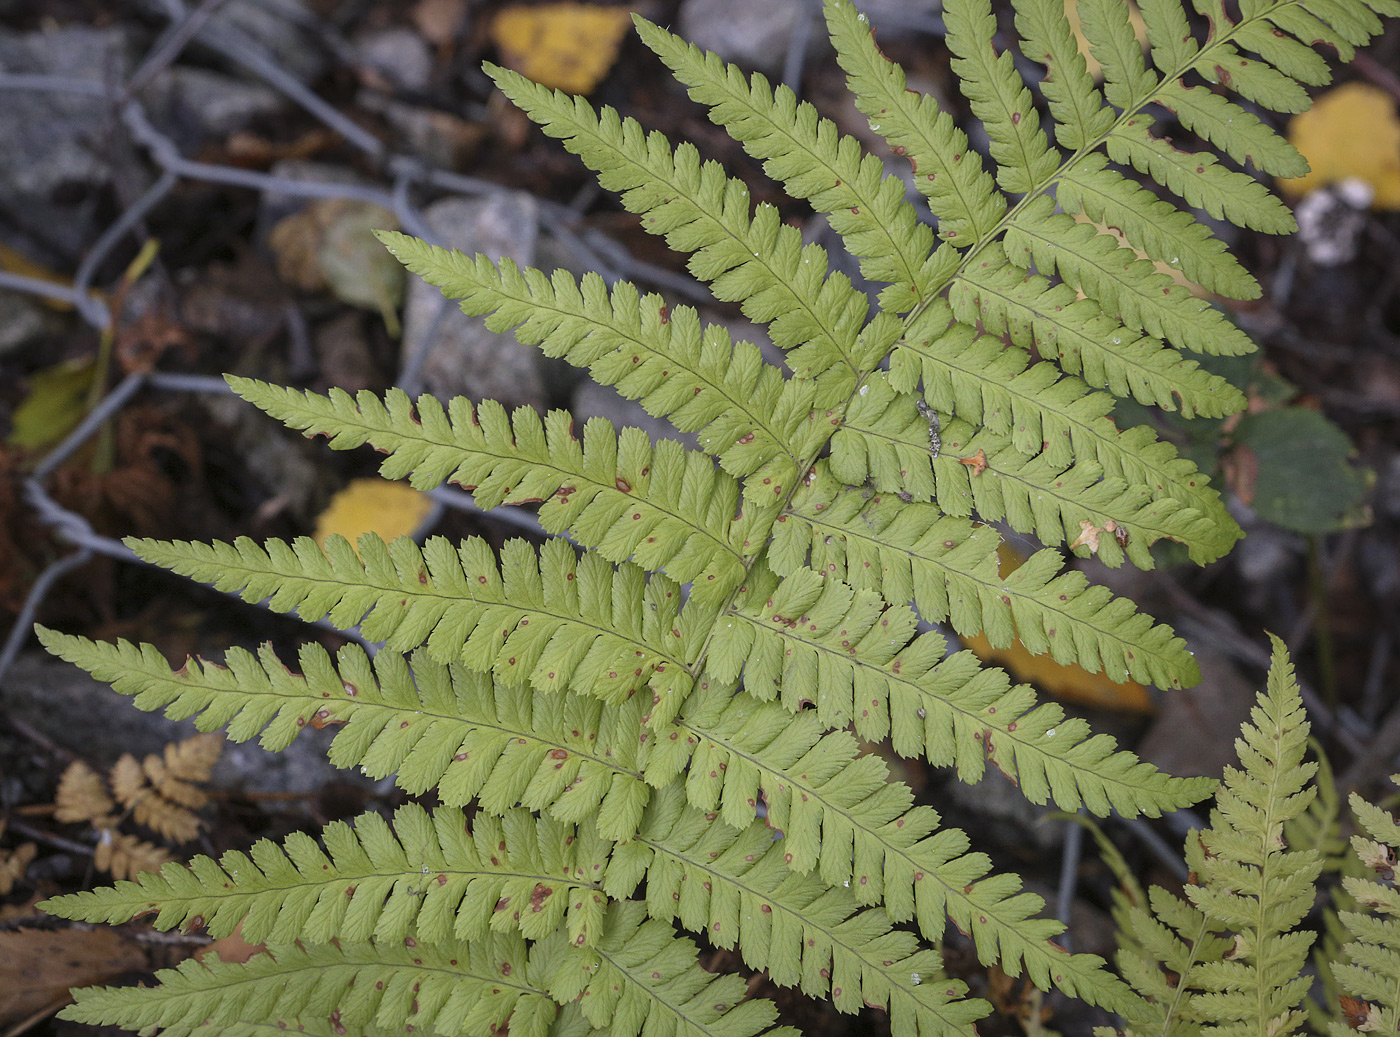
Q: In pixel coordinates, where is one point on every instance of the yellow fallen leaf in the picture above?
(566, 46)
(1068, 683)
(1072, 13)
(55, 403)
(391, 509)
(1352, 131)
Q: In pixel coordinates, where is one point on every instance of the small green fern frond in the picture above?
(947, 171)
(1371, 971)
(1245, 881)
(807, 638)
(815, 162)
(449, 987)
(554, 620)
(801, 932)
(756, 261)
(949, 569)
(429, 876)
(452, 728)
(642, 978)
(660, 505)
(740, 407)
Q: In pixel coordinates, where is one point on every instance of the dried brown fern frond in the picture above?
(125, 856)
(160, 792)
(82, 796)
(14, 862)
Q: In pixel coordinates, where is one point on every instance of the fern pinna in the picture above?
(616, 731)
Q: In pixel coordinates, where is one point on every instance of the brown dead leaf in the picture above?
(232, 948)
(1241, 469)
(439, 20)
(37, 966)
(977, 462)
(1088, 535)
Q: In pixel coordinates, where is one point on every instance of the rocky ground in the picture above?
(184, 190)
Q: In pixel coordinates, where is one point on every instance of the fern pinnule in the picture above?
(551, 619)
(430, 876)
(82, 796)
(660, 505)
(428, 725)
(1370, 972)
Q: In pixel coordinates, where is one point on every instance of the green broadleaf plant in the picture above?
(613, 731)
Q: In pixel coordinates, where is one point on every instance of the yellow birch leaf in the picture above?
(1352, 131)
(567, 47)
(391, 509)
(1068, 683)
(1072, 13)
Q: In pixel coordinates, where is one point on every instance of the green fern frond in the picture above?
(448, 987)
(741, 409)
(554, 620)
(756, 261)
(660, 505)
(1247, 882)
(801, 932)
(949, 569)
(960, 193)
(807, 638)
(430, 726)
(885, 443)
(1371, 972)
(841, 815)
(429, 876)
(813, 161)
(642, 978)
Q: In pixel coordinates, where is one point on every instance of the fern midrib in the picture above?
(1013, 213)
(565, 476)
(738, 405)
(921, 869)
(1181, 986)
(1000, 588)
(386, 592)
(418, 709)
(1274, 817)
(369, 876)
(804, 919)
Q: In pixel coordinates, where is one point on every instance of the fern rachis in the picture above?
(612, 730)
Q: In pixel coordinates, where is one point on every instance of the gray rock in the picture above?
(54, 140)
(1195, 729)
(274, 26)
(192, 105)
(755, 35)
(22, 320)
(400, 57)
(87, 717)
(1004, 816)
(463, 357)
(592, 400)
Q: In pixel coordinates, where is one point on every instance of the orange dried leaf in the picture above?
(391, 509)
(567, 46)
(125, 856)
(1351, 131)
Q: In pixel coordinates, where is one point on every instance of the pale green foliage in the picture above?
(612, 730)
(1247, 883)
(1371, 973)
